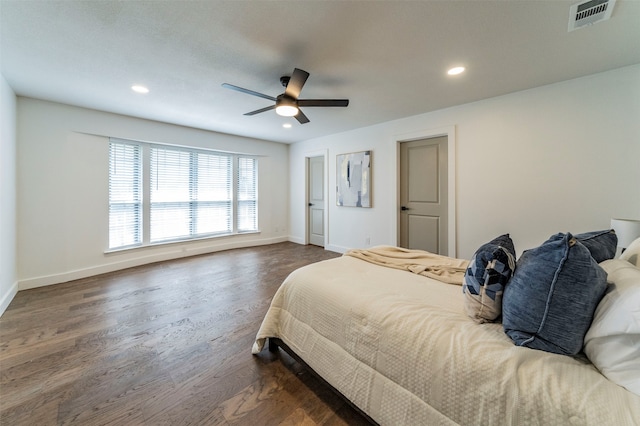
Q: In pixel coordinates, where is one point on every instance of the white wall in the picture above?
(63, 190)
(563, 157)
(8, 275)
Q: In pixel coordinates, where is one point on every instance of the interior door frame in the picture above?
(325, 154)
(450, 133)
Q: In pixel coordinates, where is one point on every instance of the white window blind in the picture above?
(247, 194)
(189, 194)
(125, 195)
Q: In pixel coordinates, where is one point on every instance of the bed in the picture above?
(399, 345)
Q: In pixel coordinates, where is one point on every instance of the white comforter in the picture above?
(401, 348)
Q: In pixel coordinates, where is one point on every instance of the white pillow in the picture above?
(632, 253)
(613, 340)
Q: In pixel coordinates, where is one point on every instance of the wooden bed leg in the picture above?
(273, 345)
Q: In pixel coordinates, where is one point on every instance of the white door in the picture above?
(423, 195)
(316, 201)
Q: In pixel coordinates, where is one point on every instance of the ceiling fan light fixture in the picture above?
(286, 110)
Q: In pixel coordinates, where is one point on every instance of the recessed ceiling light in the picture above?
(139, 89)
(287, 125)
(455, 71)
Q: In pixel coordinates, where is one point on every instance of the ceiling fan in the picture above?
(287, 104)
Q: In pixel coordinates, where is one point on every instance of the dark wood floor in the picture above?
(162, 344)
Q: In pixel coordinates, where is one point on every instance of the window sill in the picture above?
(174, 242)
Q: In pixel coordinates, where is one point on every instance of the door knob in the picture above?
(404, 208)
(310, 204)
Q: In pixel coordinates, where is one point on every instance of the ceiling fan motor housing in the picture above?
(287, 106)
(284, 99)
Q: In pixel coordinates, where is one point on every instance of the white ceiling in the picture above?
(388, 57)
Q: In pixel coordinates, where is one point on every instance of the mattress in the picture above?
(400, 347)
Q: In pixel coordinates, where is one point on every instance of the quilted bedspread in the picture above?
(400, 347)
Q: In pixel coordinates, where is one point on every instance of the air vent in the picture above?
(589, 12)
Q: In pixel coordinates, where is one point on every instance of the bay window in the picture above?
(182, 193)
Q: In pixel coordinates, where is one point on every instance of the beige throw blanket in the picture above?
(442, 268)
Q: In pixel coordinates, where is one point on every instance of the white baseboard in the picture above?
(337, 249)
(8, 297)
(296, 240)
(329, 247)
(178, 253)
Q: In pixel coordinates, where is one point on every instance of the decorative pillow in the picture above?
(613, 341)
(601, 244)
(489, 271)
(549, 302)
(632, 253)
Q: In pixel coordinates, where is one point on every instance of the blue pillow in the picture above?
(488, 272)
(549, 302)
(601, 244)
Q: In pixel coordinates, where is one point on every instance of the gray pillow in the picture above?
(488, 272)
(601, 244)
(549, 302)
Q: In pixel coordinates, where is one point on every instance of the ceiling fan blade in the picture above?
(323, 102)
(302, 119)
(247, 91)
(297, 80)
(258, 111)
